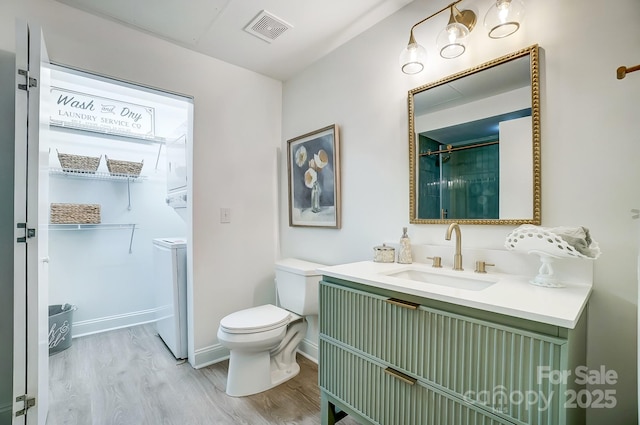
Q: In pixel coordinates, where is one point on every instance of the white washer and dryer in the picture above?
(170, 276)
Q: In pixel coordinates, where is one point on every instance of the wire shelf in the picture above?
(99, 226)
(98, 175)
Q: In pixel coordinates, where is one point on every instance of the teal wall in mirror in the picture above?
(474, 144)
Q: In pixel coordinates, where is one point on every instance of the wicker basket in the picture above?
(75, 213)
(126, 168)
(78, 163)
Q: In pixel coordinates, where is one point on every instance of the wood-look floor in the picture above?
(128, 377)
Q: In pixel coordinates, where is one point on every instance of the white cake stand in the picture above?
(545, 275)
(549, 247)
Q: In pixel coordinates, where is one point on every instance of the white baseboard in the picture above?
(216, 353)
(209, 355)
(309, 349)
(110, 323)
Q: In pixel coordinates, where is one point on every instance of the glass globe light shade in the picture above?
(412, 58)
(504, 18)
(452, 40)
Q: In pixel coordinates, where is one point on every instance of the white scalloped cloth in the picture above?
(550, 244)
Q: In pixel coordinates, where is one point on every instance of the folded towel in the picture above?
(577, 237)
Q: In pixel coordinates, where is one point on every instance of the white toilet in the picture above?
(263, 340)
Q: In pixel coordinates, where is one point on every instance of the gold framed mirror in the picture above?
(474, 144)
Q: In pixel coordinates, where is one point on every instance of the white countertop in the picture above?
(511, 295)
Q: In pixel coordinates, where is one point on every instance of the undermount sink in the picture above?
(460, 282)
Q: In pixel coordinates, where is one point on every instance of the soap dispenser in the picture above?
(404, 256)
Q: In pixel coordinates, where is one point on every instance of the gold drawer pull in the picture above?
(403, 303)
(401, 376)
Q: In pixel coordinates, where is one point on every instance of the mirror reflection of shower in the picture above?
(442, 158)
(459, 180)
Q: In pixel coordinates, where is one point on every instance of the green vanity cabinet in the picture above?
(392, 358)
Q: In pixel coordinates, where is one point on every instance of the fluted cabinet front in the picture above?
(462, 369)
(385, 396)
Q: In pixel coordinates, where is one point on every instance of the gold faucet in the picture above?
(457, 258)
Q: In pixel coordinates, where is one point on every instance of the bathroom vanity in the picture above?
(409, 344)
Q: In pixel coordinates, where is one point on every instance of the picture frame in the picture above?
(313, 164)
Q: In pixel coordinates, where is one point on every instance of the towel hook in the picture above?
(623, 71)
(636, 213)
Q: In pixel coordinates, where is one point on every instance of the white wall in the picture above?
(237, 116)
(502, 103)
(516, 176)
(590, 150)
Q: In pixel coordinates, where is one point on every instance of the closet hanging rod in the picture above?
(623, 71)
(450, 148)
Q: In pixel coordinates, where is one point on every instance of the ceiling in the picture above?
(505, 77)
(299, 32)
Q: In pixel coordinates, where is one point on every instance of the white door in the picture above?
(30, 353)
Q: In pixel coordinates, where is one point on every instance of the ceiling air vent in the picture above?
(267, 26)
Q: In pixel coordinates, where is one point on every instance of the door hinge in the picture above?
(29, 402)
(29, 233)
(30, 80)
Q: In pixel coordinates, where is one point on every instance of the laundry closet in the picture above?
(117, 181)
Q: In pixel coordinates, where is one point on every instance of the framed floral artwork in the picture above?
(314, 179)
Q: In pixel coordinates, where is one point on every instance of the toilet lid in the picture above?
(256, 319)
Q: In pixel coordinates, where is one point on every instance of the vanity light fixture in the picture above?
(452, 40)
(501, 20)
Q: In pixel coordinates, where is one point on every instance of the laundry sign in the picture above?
(84, 111)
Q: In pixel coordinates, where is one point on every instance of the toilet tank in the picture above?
(297, 282)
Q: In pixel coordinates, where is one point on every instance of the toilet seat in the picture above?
(256, 319)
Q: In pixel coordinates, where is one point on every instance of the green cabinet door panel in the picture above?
(383, 396)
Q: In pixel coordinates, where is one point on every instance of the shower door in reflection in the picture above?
(458, 182)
